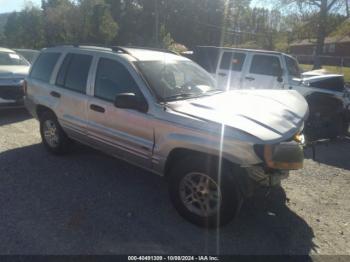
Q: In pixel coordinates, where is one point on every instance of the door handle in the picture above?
(55, 94)
(250, 78)
(97, 108)
(222, 74)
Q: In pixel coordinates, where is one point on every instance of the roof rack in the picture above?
(120, 49)
(152, 48)
(117, 49)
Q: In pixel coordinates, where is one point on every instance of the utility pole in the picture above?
(347, 8)
(156, 27)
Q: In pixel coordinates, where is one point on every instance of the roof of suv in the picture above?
(243, 50)
(135, 53)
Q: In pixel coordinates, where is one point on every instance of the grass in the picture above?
(332, 69)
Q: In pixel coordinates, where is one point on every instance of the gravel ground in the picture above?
(89, 203)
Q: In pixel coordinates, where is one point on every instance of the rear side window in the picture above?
(292, 67)
(44, 65)
(232, 61)
(74, 72)
(207, 57)
(265, 65)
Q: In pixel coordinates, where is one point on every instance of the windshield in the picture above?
(29, 55)
(11, 59)
(176, 79)
(293, 67)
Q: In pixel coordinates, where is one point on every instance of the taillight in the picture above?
(25, 87)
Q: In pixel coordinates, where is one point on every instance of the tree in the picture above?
(97, 23)
(104, 28)
(25, 29)
(61, 22)
(322, 8)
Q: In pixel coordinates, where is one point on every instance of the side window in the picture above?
(292, 67)
(74, 72)
(63, 70)
(44, 65)
(225, 61)
(113, 78)
(232, 61)
(265, 65)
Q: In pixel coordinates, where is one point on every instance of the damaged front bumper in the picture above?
(265, 177)
(278, 160)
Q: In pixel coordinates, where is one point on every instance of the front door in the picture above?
(229, 74)
(265, 72)
(125, 133)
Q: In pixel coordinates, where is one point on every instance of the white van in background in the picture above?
(235, 68)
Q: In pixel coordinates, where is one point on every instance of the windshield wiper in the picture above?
(181, 96)
(214, 91)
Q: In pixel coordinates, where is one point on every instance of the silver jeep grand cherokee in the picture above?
(162, 112)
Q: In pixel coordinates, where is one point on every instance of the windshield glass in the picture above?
(11, 59)
(293, 67)
(176, 79)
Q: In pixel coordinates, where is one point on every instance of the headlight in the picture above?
(300, 138)
(18, 81)
(284, 156)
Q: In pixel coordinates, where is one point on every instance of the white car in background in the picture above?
(13, 70)
(235, 68)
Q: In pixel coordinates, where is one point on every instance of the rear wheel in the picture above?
(52, 134)
(201, 194)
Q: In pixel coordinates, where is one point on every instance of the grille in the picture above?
(11, 92)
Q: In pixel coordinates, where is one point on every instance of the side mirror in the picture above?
(130, 101)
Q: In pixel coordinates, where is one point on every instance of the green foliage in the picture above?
(25, 29)
(166, 39)
(97, 23)
(178, 23)
(342, 30)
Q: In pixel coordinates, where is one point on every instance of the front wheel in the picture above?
(52, 134)
(203, 195)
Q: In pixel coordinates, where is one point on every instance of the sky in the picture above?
(15, 5)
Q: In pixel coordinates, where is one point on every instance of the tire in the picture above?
(59, 143)
(204, 169)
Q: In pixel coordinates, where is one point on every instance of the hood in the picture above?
(13, 71)
(321, 77)
(269, 115)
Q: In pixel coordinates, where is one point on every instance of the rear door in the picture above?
(229, 74)
(70, 93)
(264, 72)
(125, 133)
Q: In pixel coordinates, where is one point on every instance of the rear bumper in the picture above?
(30, 106)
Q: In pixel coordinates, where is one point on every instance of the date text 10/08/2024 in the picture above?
(173, 258)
